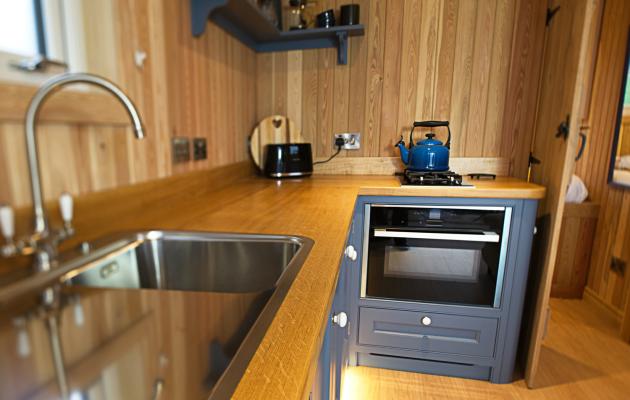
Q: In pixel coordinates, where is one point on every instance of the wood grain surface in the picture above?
(214, 87)
(612, 232)
(574, 255)
(65, 107)
(473, 62)
(523, 83)
(501, 187)
(193, 87)
(392, 165)
(564, 88)
(318, 207)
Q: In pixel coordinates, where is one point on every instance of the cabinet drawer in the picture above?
(440, 333)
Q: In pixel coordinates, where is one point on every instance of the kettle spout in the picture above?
(404, 152)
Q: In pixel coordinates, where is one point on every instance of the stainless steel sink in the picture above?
(223, 290)
(193, 261)
(253, 272)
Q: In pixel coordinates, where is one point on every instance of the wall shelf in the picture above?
(243, 20)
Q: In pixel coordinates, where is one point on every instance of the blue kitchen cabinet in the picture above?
(409, 326)
(333, 359)
(464, 340)
(339, 345)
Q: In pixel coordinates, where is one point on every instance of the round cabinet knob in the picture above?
(340, 319)
(426, 321)
(351, 253)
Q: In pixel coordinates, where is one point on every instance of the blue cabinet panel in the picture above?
(443, 333)
(462, 340)
(425, 366)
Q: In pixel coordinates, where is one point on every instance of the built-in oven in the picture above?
(435, 254)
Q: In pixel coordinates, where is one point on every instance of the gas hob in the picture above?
(443, 178)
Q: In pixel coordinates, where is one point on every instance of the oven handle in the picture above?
(488, 237)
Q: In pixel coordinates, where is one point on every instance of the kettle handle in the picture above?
(431, 124)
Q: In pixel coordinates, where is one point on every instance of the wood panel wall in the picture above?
(612, 235)
(187, 87)
(473, 62)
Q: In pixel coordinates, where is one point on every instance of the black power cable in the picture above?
(339, 142)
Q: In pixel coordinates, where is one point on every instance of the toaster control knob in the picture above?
(340, 319)
(426, 321)
(351, 253)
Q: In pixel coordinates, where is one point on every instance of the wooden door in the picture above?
(565, 81)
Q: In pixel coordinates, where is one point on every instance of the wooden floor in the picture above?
(583, 358)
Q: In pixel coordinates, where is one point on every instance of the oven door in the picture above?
(436, 265)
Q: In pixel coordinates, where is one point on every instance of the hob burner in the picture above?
(443, 178)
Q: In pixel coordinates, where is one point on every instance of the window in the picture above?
(17, 27)
(30, 29)
(79, 34)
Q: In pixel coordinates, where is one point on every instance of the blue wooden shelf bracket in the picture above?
(342, 48)
(243, 20)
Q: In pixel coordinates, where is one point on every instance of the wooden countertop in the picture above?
(319, 207)
(501, 187)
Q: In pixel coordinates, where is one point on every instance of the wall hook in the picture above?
(139, 57)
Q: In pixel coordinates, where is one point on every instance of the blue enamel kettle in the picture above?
(426, 155)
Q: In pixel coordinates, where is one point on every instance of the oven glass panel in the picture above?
(438, 255)
(459, 265)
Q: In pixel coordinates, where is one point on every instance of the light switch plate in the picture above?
(181, 149)
(352, 140)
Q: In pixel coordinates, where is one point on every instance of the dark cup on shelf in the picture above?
(350, 14)
(326, 19)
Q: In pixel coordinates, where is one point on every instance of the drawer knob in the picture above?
(351, 253)
(340, 319)
(426, 321)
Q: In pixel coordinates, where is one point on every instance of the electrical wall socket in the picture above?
(181, 149)
(352, 141)
(200, 148)
(618, 265)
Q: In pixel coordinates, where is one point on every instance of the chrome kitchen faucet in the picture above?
(43, 242)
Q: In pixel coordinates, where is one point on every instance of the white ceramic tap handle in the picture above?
(23, 343)
(79, 318)
(65, 206)
(23, 339)
(7, 222)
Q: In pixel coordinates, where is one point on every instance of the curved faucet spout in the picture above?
(43, 93)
